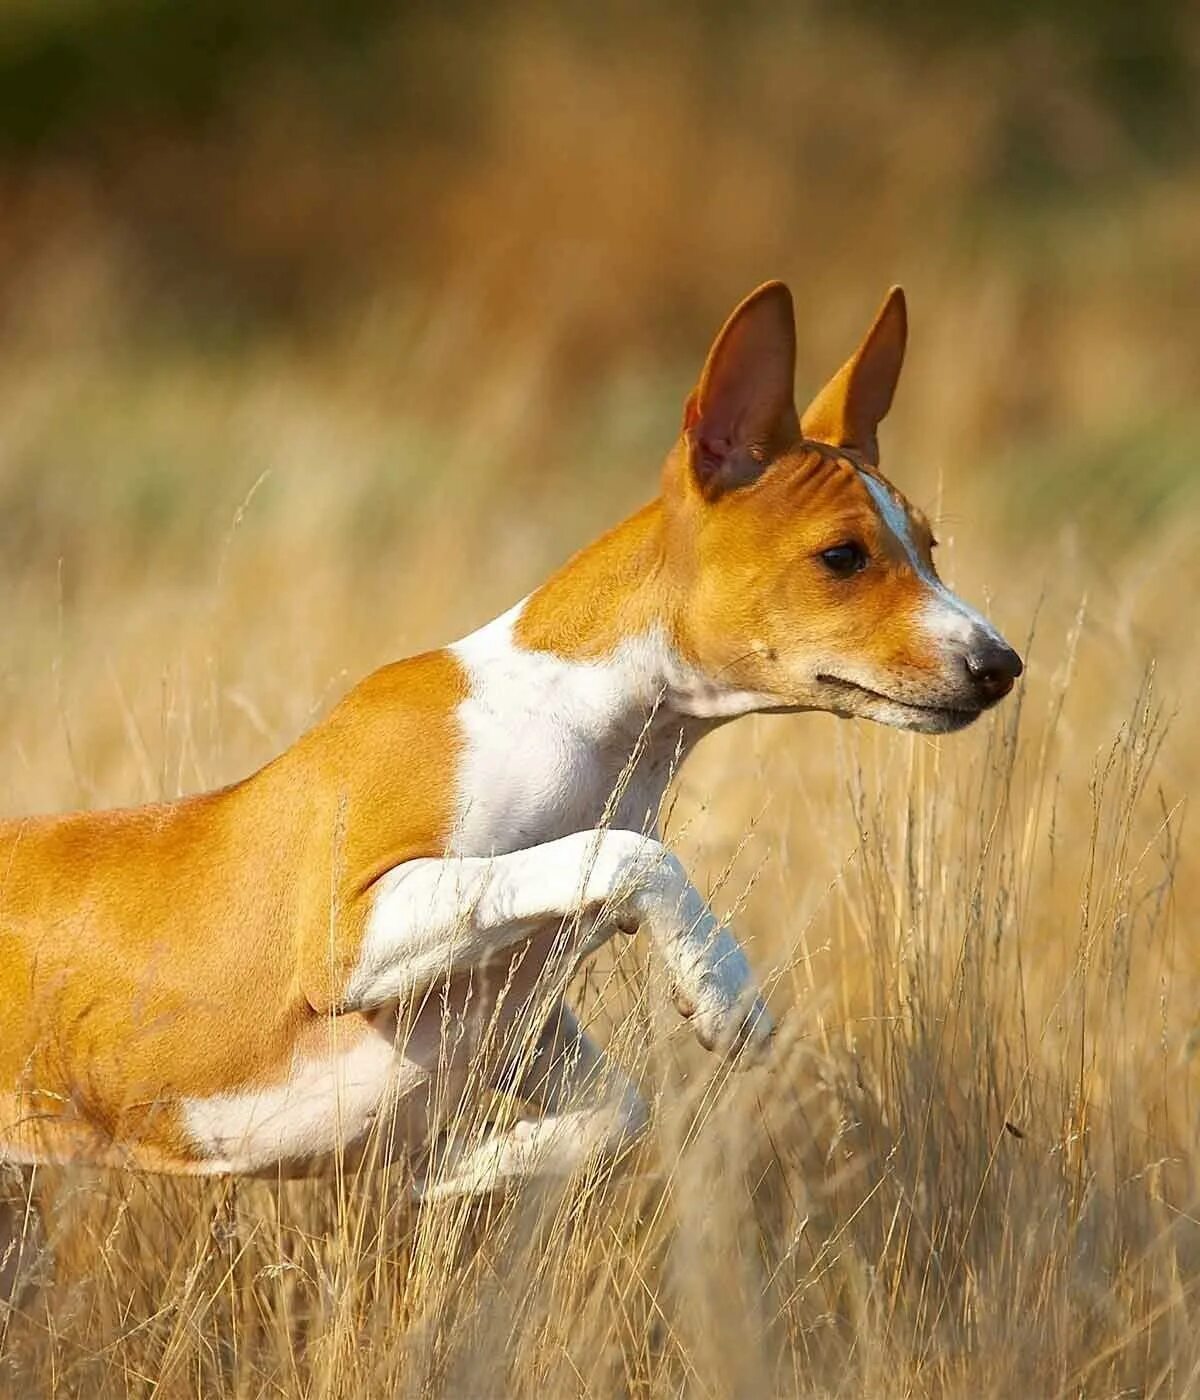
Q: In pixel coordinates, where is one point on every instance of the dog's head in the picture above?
(805, 580)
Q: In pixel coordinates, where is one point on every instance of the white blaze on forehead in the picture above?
(946, 615)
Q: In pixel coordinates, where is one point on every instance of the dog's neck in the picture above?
(587, 678)
(615, 590)
(621, 604)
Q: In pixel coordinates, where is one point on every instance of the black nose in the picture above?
(993, 666)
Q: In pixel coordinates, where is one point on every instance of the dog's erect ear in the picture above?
(849, 409)
(742, 410)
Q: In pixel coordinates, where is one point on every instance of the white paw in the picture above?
(647, 888)
(713, 985)
(717, 995)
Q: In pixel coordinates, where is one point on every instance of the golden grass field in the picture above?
(970, 1166)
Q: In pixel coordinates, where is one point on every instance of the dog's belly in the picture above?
(329, 1097)
(358, 1079)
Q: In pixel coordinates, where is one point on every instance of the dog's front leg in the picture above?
(433, 919)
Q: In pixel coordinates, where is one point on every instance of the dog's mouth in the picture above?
(924, 716)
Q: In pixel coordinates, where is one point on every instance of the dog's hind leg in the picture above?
(23, 1249)
(590, 1111)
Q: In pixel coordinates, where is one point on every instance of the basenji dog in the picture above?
(250, 979)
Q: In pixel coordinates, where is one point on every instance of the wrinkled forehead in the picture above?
(838, 481)
(840, 486)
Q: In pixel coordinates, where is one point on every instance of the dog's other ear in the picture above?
(742, 410)
(848, 410)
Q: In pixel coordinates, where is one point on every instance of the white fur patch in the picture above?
(547, 741)
(548, 738)
(324, 1103)
(946, 617)
(434, 919)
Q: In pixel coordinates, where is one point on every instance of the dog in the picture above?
(252, 979)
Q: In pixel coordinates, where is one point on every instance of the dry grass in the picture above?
(970, 1168)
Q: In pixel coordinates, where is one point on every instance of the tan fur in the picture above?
(186, 949)
(847, 412)
(194, 948)
(723, 560)
(751, 606)
(616, 587)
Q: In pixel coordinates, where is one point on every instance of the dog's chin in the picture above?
(849, 700)
(921, 720)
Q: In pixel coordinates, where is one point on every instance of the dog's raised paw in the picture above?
(742, 1032)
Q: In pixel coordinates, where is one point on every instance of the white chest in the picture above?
(551, 746)
(555, 746)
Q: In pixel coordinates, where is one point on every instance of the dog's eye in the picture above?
(844, 559)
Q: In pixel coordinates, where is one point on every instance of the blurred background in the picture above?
(327, 331)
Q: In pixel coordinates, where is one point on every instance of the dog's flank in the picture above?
(361, 936)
